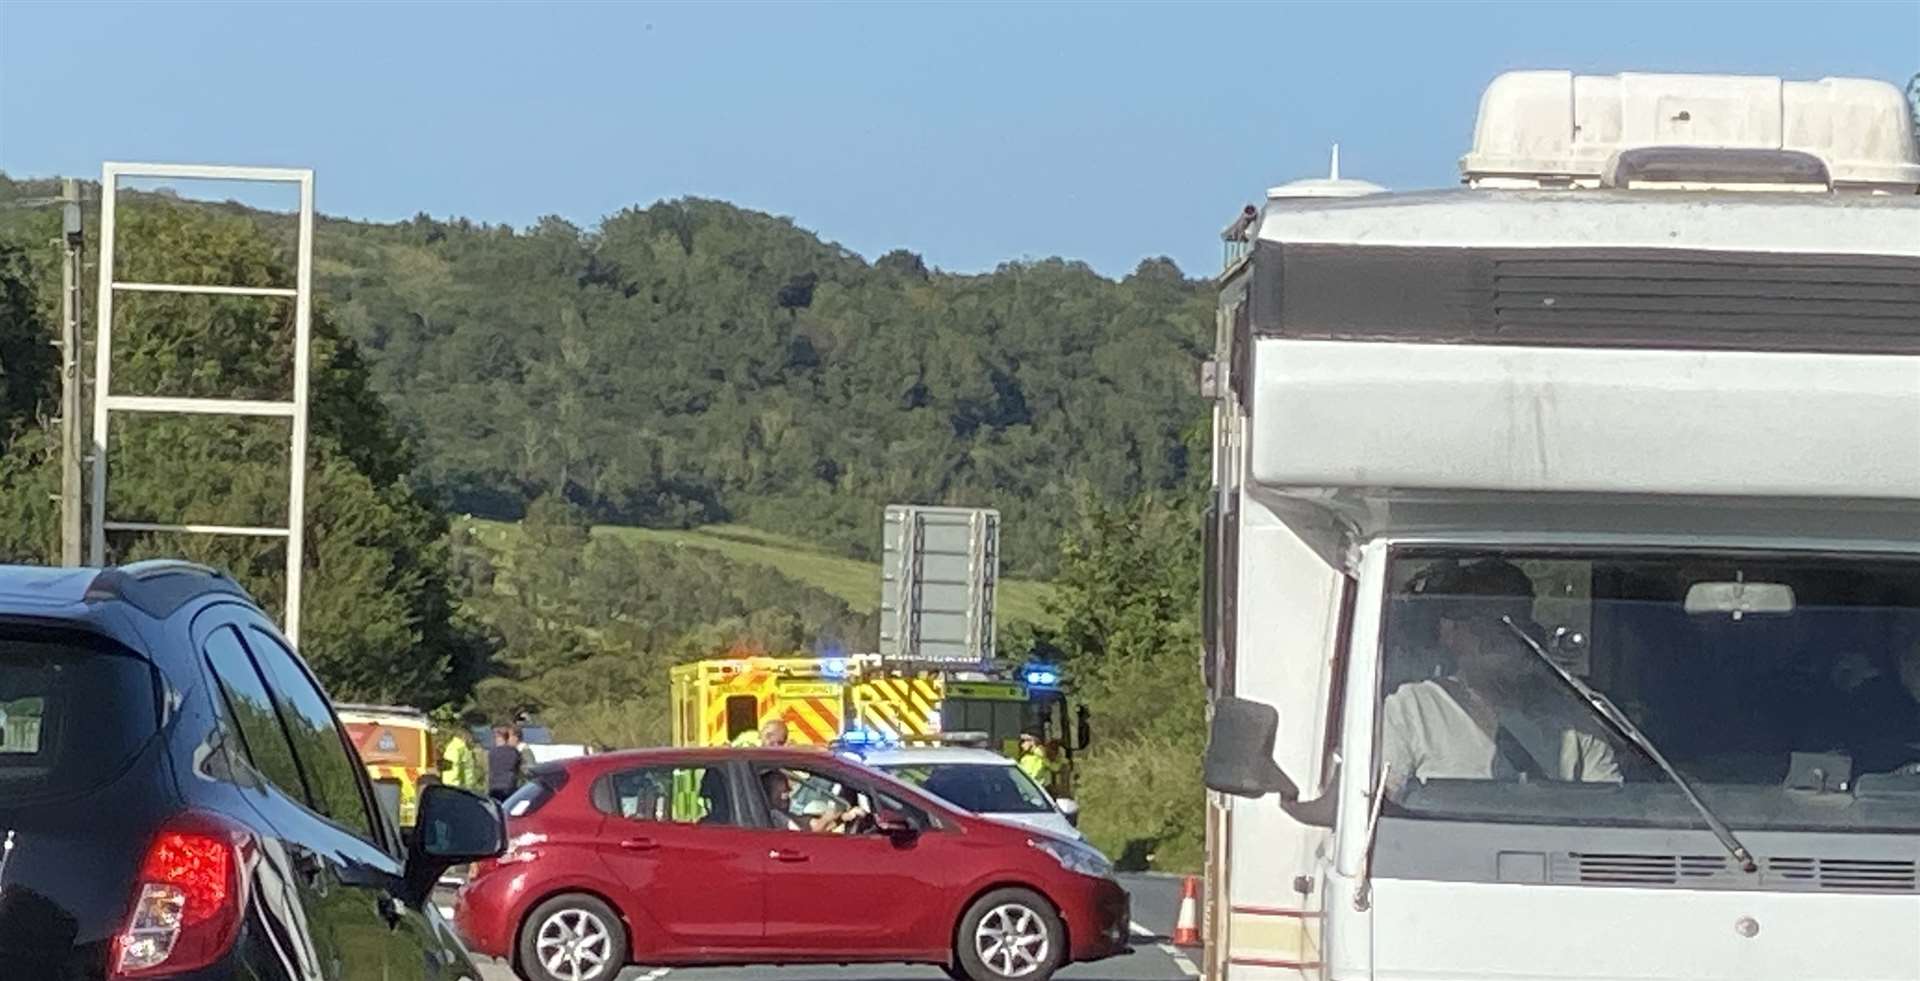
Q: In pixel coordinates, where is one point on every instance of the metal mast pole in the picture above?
(70, 523)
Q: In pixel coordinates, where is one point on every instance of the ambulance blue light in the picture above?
(859, 740)
(834, 667)
(1042, 676)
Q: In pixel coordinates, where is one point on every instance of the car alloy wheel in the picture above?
(1013, 940)
(574, 944)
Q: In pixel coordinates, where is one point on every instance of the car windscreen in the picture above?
(983, 788)
(73, 714)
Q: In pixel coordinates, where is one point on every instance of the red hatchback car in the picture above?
(766, 856)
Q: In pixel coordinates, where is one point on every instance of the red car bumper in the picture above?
(485, 911)
(1098, 918)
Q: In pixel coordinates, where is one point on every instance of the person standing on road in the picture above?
(506, 764)
(772, 734)
(458, 767)
(1033, 759)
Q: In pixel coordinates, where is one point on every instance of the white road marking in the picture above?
(1180, 960)
(654, 975)
(1139, 931)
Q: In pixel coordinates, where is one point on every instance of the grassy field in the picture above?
(852, 580)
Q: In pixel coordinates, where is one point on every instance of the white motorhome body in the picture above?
(1633, 366)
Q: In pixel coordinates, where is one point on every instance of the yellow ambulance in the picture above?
(396, 745)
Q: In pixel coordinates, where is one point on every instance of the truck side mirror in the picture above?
(1239, 760)
(1083, 728)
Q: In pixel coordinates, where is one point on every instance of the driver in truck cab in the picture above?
(1489, 710)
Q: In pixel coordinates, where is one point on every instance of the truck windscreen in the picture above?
(1786, 688)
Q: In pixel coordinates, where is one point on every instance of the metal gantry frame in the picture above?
(105, 402)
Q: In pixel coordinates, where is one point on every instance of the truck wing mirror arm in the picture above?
(1318, 812)
(1239, 760)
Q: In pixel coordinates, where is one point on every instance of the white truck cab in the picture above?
(1564, 562)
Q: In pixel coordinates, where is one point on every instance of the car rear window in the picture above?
(543, 782)
(73, 714)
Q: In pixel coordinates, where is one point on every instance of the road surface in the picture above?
(1156, 903)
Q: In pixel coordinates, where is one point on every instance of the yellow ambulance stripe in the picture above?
(898, 707)
(917, 700)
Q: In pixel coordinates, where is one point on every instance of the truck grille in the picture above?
(1788, 874)
(1872, 875)
(1626, 869)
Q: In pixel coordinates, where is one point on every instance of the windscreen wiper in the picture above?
(1612, 715)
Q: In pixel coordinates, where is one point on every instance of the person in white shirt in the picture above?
(779, 790)
(1497, 714)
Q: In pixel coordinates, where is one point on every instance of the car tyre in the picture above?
(574, 937)
(1010, 935)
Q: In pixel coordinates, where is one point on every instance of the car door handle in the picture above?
(784, 855)
(639, 844)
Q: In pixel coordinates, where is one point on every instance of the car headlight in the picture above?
(1075, 857)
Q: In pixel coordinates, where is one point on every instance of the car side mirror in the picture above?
(1239, 759)
(1069, 809)
(893, 824)
(452, 826)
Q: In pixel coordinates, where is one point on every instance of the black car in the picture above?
(177, 799)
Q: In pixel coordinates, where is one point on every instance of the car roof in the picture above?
(919, 755)
(156, 588)
(382, 715)
(40, 586)
(696, 754)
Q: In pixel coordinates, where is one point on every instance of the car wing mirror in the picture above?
(452, 826)
(893, 824)
(1069, 809)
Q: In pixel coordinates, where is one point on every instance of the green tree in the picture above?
(1126, 600)
(28, 373)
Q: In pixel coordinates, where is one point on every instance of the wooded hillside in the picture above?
(693, 363)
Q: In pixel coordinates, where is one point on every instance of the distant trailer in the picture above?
(940, 570)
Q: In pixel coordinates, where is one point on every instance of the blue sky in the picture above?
(969, 133)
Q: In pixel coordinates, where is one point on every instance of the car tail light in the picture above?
(188, 899)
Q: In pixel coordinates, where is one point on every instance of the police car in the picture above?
(977, 780)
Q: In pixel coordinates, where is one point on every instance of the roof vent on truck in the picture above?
(1557, 129)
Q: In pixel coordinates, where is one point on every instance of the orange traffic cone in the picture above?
(1186, 933)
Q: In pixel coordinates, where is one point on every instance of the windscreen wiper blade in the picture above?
(1611, 714)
